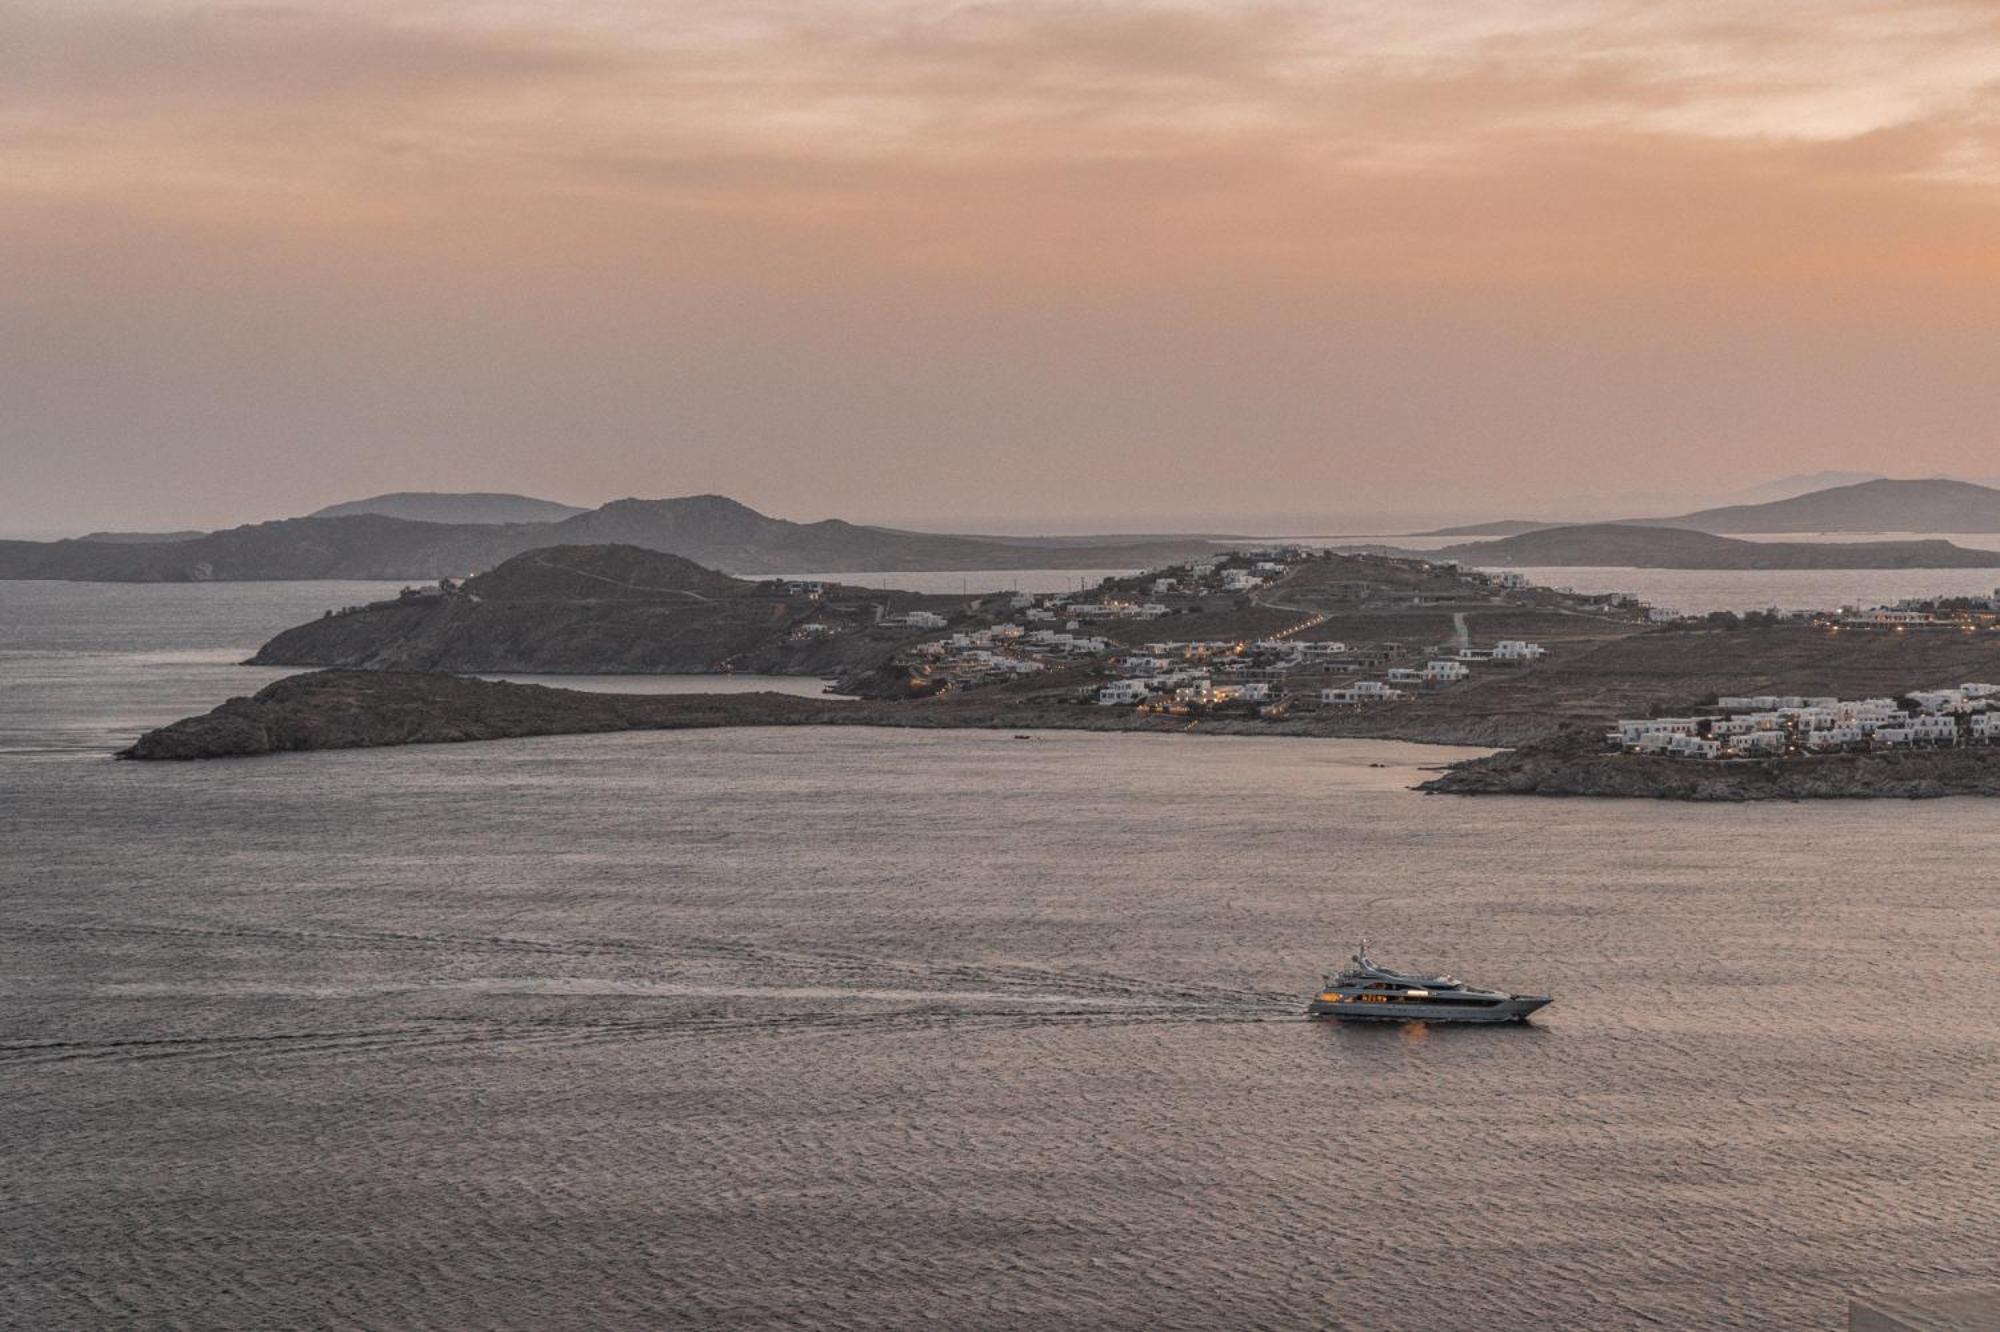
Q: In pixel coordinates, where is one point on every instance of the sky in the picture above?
(1088, 263)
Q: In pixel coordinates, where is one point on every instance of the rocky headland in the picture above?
(1578, 765)
(347, 709)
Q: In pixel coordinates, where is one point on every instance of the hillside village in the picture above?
(1284, 613)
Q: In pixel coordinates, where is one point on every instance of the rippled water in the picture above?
(86, 667)
(864, 1029)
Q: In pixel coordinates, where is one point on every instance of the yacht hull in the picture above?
(1513, 1009)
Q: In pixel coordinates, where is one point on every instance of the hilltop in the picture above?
(711, 529)
(608, 609)
(1639, 547)
(418, 506)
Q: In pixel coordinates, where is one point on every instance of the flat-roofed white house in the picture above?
(1941, 700)
(1446, 672)
(1126, 692)
(1693, 746)
(1940, 730)
(1361, 691)
(1632, 731)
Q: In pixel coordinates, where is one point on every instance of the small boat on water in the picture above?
(1365, 992)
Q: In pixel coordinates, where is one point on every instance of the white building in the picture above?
(1445, 672)
(1125, 692)
(1634, 731)
(1361, 691)
(1941, 700)
(1941, 730)
(924, 620)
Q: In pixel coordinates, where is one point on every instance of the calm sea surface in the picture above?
(85, 667)
(860, 1029)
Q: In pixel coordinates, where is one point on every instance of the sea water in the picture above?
(848, 1028)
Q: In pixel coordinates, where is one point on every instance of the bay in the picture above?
(850, 1028)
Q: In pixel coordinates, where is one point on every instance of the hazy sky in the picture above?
(913, 259)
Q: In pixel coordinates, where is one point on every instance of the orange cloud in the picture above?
(1266, 216)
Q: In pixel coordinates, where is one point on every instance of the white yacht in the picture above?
(1365, 992)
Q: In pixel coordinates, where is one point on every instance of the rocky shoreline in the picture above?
(347, 709)
(351, 709)
(1573, 767)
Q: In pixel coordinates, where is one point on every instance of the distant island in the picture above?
(1878, 504)
(142, 538)
(1505, 527)
(712, 529)
(1638, 547)
(1936, 505)
(454, 507)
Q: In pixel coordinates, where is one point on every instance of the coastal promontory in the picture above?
(1580, 766)
(368, 709)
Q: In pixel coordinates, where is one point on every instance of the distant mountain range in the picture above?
(1632, 546)
(711, 529)
(419, 506)
(1940, 504)
(1800, 483)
